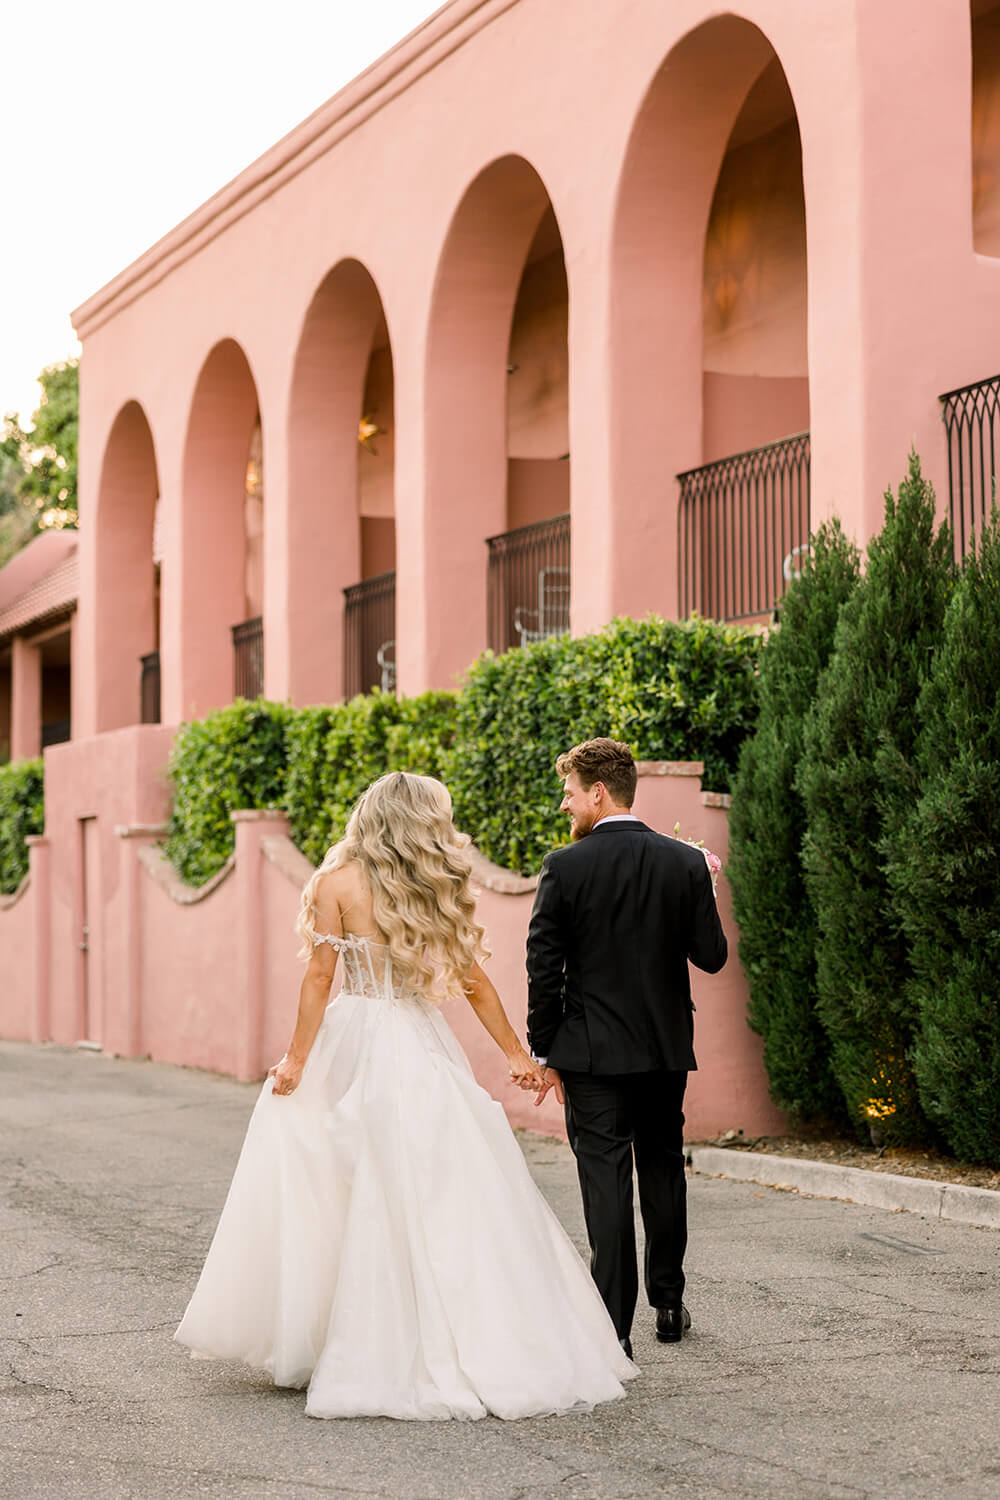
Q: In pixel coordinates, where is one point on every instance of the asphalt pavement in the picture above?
(837, 1350)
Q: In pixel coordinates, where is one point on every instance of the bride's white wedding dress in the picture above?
(383, 1241)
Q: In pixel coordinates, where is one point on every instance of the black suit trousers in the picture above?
(614, 1120)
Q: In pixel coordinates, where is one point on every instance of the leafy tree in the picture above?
(857, 782)
(51, 481)
(38, 467)
(17, 517)
(13, 472)
(766, 828)
(944, 869)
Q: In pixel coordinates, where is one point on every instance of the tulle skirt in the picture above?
(383, 1242)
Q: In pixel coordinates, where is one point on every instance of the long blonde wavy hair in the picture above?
(402, 835)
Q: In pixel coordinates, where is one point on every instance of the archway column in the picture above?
(25, 700)
(451, 494)
(886, 275)
(172, 622)
(280, 641)
(451, 445)
(624, 511)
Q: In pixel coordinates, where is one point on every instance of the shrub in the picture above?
(308, 781)
(944, 868)
(234, 758)
(423, 734)
(672, 691)
(335, 752)
(766, 828)
(22, 812)
(857, 782)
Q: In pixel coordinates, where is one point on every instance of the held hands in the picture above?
(286, 1075)
(533, 1077)
(550, 1080)
(524, 1071)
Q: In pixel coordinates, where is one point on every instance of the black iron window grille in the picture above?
(248, 658)
(972, 422)
(742, 525)
(527, 584)
(149, 689)
(370, 635)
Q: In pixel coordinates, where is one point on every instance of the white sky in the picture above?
(117, 119)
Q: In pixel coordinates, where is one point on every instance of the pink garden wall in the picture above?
(209, 978)
(20, 1016)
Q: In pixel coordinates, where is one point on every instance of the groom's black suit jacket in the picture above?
(616, 918)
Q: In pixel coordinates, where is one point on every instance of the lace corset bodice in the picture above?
(367, 967)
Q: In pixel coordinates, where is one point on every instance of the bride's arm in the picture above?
(482, 996)
(314, 994)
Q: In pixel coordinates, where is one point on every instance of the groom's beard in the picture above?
(578, 829)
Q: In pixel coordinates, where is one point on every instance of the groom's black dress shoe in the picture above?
(627, 1346)
(672, 1323)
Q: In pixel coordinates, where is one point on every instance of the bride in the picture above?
(383, 1241)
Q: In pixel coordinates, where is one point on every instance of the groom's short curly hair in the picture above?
(604, 760)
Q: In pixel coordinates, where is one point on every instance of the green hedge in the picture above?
(335, 752)
(22, 812)
(235, 758)
(674, 692)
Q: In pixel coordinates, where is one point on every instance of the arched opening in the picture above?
(496, 522)
(709, 333)
(755, 354)
(216, 612)
(126, 595)
(342, 529)
(985, 22)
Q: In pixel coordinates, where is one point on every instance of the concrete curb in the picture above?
(915, 1195)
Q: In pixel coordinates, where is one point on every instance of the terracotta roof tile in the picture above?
(55, 592)
(36, 558)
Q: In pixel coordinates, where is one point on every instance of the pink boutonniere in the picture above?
(711, 859)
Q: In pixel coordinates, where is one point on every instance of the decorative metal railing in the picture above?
(971, 418)
(248, 658)
(527, 584)
(370, 635)
(741, 524)
(149, 688)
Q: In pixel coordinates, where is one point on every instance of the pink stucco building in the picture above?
(560, 310)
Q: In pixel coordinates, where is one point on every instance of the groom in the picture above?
(617, 916)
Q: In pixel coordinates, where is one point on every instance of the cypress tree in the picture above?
(767, 825)
(858, 783)
(945, 869)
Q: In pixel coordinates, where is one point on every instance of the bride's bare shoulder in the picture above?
(338, 889)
